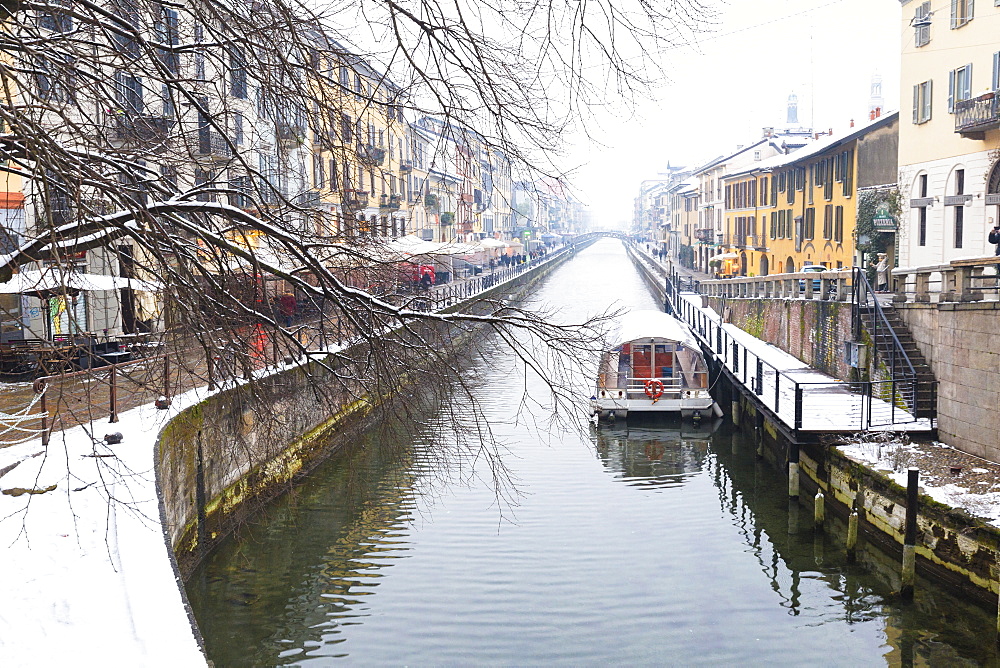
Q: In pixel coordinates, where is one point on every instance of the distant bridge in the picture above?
(612, 234)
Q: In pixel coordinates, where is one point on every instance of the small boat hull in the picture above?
(686, 408)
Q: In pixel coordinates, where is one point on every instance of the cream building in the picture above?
(949, 176)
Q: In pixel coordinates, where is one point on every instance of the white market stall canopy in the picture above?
(59, 281)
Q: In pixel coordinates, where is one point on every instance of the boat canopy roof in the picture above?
(646, 324)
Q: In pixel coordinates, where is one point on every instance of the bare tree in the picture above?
(226, 153)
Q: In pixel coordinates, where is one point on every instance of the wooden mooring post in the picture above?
(793, 470)
(852, 530)
(910, 534)
(997, 567)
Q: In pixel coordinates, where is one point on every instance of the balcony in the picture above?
(974, 117)
(354, 199)
(371, 155)
(289, 133)
(705, 236)
(309, 199)
(390, 202)
(406, 166)
(213, 145)
(139, 128)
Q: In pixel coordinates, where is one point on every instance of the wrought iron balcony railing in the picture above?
(390, 202)
(139, 128)
(355, 199)
(974, 117)
(371, 155)
(213, 145)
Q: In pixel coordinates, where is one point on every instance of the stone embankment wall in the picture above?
(220, 460)
(961, 342)
(952, 547)
(811, 330)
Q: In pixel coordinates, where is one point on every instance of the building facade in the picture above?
(948, 169)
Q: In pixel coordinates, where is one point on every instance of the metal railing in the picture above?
(978, 114)
(71, 398)
(802, 404)
(885, 343)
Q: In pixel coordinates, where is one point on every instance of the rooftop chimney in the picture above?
(852, 122)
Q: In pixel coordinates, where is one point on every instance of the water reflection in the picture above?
(653, 457)
(303, 571)
(722, 570)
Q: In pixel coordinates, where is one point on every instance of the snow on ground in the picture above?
(86, 582)
(947, 475)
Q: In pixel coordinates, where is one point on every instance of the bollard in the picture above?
(166, 376)
(114, 393)
(910, 534)
(852, 537)
(45, 418)
(819, 510)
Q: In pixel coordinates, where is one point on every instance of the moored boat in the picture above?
(654, 365)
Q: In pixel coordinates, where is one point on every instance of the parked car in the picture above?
(811, 268)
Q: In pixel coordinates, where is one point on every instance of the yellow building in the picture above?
(358, 159)
(799, 209)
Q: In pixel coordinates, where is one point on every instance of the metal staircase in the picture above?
(895, 352)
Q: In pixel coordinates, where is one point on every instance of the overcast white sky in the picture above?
(825, 51)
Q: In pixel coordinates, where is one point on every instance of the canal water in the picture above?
(651, 544)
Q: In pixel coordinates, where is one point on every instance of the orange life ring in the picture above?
(654, 389)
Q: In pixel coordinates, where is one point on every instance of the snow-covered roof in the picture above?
(642, 324)
(814, 148)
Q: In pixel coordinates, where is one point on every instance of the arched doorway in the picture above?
(789, 265)
(763, 265)
(743, 263)
(993, 195)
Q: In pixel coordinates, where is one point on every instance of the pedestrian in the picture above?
(994, 237)
(882, 273)
(287, 307)
(426, 281)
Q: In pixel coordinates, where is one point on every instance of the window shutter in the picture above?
(954, 15)
(967, 84)
(996, 70)
(928, 90)
(951, 90)
(916, 103)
